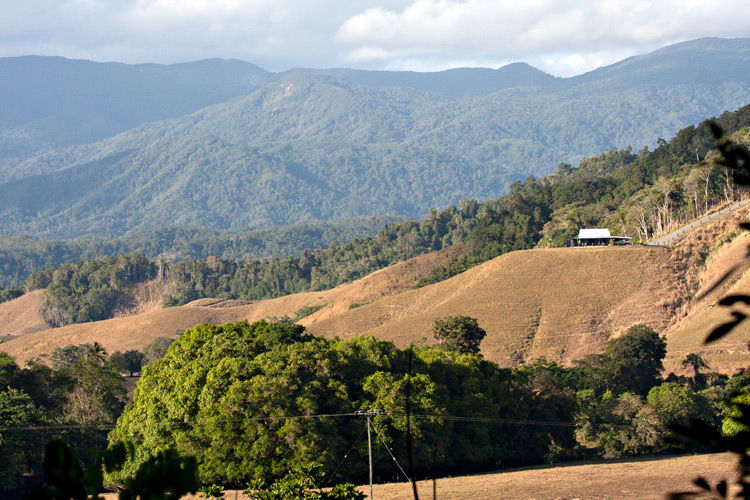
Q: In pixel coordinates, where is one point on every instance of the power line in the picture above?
(382, 440)
(491, 420)
(345, 457)
(292, 417)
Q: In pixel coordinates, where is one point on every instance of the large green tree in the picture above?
(459, 333)
(630, 363)
(253, 401)
(18, 444)
(634, 360)
(127, 362)
(677, 404)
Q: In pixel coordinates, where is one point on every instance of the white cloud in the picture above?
(561, 36)
(488, 30)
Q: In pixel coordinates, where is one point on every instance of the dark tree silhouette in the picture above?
(459, 333)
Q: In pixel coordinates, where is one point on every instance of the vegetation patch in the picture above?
(306, 311)
(358, 304)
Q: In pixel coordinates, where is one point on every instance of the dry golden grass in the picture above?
(645, 478)
(688, 334)
(135, 332)
(558, 303)
(635, 479)
(22, 315)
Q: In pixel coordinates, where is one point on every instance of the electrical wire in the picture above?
(292, 417)
(330, 478)
(382, 440)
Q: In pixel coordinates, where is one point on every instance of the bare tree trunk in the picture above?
(666, 208)
(697, 206)
(728, 187)
(707, 178)
(642, 224)
(655, 217)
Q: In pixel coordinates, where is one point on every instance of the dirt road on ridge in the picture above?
(667, 239)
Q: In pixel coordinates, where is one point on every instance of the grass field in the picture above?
(645, 478)
(635, 479)
(688, 333)
(560, 303)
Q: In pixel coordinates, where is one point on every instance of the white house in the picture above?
(596, 238)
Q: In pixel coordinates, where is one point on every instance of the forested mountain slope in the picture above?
(316, 147)
(51, 102)
(22, 256)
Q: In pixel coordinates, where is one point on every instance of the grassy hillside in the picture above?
(688, 333)
(135, 332)
(558, 303)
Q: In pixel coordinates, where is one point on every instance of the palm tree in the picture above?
(97, 353)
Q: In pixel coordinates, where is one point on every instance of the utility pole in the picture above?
(368, 414)
(369, 452)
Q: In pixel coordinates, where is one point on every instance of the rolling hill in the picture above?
(558, 303)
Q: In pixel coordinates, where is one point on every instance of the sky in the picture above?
(561, 37)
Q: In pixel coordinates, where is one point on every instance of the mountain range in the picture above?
(95, 149)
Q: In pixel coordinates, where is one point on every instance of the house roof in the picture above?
(587, 234)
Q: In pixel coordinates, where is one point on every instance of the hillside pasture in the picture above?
(561, 303)
(558, 303)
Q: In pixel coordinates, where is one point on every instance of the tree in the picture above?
(735, 421)
(633, 362)
(546, 399)
(302, 483)
(16, 446)
(676, 403)
(70, 354)
(691, 185)
(63, 357)
(127, 362)
(459, 333)
(694, 362)
(165, 475)
(618, 425)
(98, 394)
(248, 390)
(97, 353)
(157, 349)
